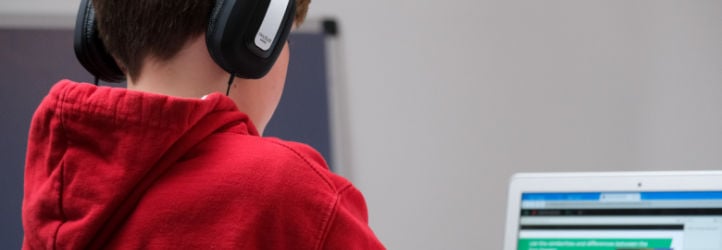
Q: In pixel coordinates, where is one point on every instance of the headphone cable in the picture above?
(230, 82)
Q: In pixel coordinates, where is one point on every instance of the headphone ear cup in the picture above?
(235, 28)
(89, 48)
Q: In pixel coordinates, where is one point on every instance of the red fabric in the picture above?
(118, 169)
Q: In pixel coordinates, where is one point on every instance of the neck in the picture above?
(191, 74)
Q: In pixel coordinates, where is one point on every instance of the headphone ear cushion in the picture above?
(233, 27)
(89, 48)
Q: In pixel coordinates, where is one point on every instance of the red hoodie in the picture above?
(118, 169)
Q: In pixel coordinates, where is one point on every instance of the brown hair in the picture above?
(133, 30)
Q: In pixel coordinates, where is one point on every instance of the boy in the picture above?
(169, 162)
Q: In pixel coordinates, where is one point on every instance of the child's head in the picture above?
(134, 30)
(161, 47)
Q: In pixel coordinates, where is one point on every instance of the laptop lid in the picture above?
(615, 211)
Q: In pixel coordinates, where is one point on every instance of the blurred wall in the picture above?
(446, 99)
(449, 98)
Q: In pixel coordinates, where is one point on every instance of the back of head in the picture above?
(132, 30)
(135, 30)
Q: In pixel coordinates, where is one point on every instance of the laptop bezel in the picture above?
(599, 182)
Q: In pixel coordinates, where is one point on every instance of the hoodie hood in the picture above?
(93, 151)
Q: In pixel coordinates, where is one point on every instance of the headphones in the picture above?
(244, 37)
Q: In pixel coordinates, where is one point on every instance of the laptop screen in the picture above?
(689, 220)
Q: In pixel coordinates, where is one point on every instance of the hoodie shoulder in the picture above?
(264, 193)
(272, 157)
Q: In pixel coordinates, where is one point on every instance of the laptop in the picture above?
(615, 211)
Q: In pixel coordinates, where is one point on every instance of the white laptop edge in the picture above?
(600, 181)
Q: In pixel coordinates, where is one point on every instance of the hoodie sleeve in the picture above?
(347, 224)
(348, 228)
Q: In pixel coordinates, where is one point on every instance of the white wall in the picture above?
(38, 13)
(447, 99)
(39, 7)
